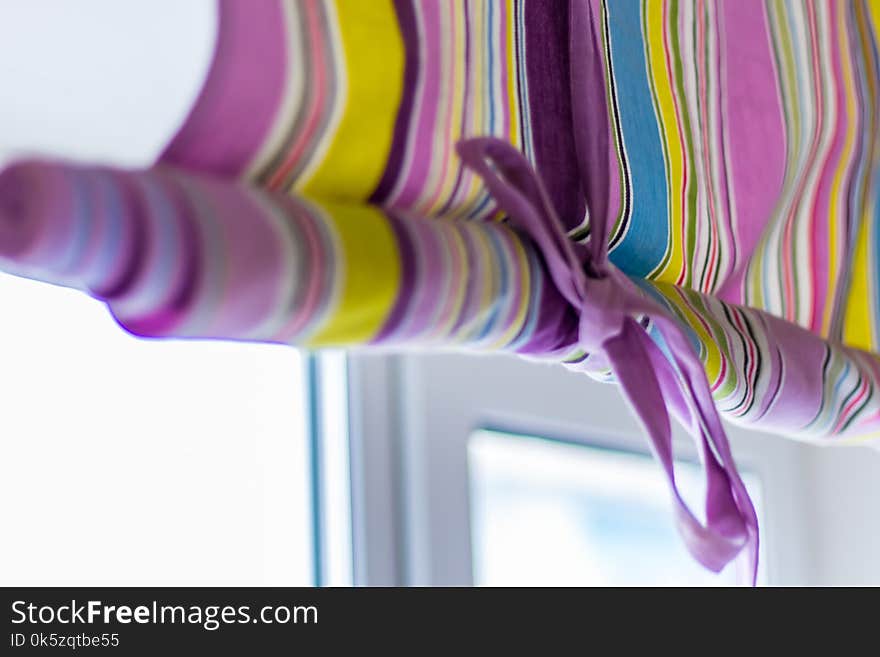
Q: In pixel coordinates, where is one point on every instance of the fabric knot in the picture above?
(653, 381)
(602, 313)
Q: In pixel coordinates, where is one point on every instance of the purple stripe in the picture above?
(756, 143)
(405, 294)
(247, 79)
(168, 316)
(470, 98)
(132, 244)
(547, 62)
(406, 20)
(431, 279)
(556, 327)
(426, 108)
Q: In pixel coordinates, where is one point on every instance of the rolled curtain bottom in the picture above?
(178, 255)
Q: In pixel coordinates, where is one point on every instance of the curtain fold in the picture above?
(185, 255)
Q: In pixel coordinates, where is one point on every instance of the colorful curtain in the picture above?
(724, 158)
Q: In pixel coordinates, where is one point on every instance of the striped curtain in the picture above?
(314, 195)
(744, 167)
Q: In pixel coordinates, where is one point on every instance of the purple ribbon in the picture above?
(607, 303)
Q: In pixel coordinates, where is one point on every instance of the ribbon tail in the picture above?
(589, 108)
(629, 355)
(693, 381)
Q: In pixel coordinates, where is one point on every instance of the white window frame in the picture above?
(412, 417)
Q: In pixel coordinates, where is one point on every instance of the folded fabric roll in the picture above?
(177, 254)
(185, 255)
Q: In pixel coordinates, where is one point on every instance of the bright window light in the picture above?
(134, 462)
(127, 461)
(547, 513)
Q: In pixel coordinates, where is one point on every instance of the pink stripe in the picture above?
(317, 95)
(707, 160)
(847, 410)
(432, 279)
(250, 267)
(756, 137)
(314, 292)
(445, 145)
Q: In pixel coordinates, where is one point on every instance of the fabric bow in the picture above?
(607, 303)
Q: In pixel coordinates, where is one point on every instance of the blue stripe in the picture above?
(643, 247)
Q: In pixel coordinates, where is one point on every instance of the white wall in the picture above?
(843, 509)
(101, 80)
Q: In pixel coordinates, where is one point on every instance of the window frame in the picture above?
(413, 415)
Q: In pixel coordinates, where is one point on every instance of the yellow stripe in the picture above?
(857, 328)
(859, 439)
(837, 197)
(369, 275)
(522, 265)
(874, 15)
(374, 63)
(711, 356)
(514, 132)
(665, 105)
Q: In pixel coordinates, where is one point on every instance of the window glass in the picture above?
(545, 512)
